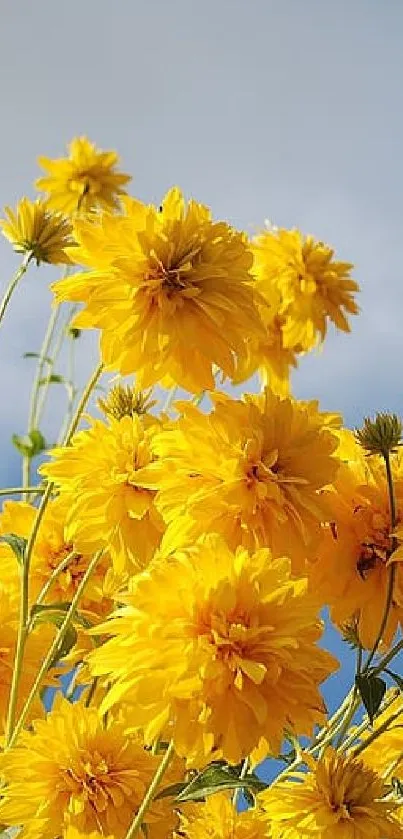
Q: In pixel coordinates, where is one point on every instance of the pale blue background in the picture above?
(286, 110)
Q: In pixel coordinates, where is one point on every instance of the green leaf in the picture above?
(17, 543)
(56, 613)
(372, 690)
(53, 379)
(397, 785)
(218, 777)
(44, 358)
(65, 646)
(30, 444)
(172, 791)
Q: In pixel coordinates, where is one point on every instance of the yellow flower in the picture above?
(221, 646)
(250, 470)
(85, 180)
(313, 287)
(74, 777)
(98, 476)
(351, 570)
(52, 547)
(32, 228)
(36, 648)
(385, 753)
(217, 818)
(339, 798)
(170, 289)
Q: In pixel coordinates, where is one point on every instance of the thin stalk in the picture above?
(170, 398)
(387, 658)
(38, 490)
(367, 722)
(23, 627)
(138, 819)
(15, 279)
(43, 392)
(55, 573)
(392, 567)
(91, 692)
(378, 731)
(58, 640)
(243, 772)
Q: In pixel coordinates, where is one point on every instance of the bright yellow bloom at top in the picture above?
(98, 476)
(53, 547)
(217, 818)
(339, 798)
(32, 228)
(250, 470)
(351, 571)
(75, 778)
(313, 287)
(170, 290)
(85, 180)
(222, 646)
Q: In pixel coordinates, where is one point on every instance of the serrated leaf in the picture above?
(17, 544)
(44, 358)
(53, 379)
(217, 777)
(372, 690)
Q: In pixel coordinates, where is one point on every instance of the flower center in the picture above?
(376, 542)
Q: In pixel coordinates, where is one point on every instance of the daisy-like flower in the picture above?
(34, 229)
(85, 180)
(74, 777)
(313, 287)
(221, 646)
(98, 477)
(250, 470)
(339, 798)
(170, 289)
(352, 565)
(217, 818)
(36, 648)
(52, 549)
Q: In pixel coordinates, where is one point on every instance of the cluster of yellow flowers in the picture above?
(176, 561)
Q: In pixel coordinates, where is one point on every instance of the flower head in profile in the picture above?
(352, 562)
(222, 647)
(170, 289)
(53, 549)
(339, 798)
(98, 477)
(313, 287)
(34, 229)
(250, 470)
(217, 818)
(86, 180)
(71, 776)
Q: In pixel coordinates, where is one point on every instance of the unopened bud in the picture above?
(381, 435)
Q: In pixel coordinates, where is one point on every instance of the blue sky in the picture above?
(287, 110)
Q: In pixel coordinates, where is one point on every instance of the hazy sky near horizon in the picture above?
(290, 111)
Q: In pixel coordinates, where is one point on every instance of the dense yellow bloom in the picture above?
(250, 470)
(351, 572)
(74, 777)
(339, 798)
(98, 476)
(312, 286)
(85, 180)
(222, 646)
(385, 753)
(32, 228)
(217, 818)
(170, 290)
(53, 546)
(37, 646)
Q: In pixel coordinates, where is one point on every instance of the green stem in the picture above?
(58, 640)
(392, 567)
(38, 490)
(243, 772)
(378, 731)
(170, 398)
(23, 627)
(43, 390)
(387, 658)
(55, 573)
(91, 692)
(138, 820)
(15, 279)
